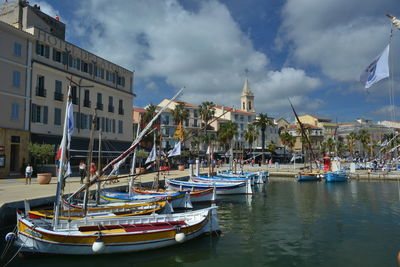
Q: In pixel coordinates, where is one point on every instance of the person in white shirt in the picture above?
(28, 173)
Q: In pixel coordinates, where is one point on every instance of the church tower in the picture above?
(247, 98)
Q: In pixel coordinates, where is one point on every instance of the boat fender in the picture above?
(98, 246)
(11, 236)
(180, 237)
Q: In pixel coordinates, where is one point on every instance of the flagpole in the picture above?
(57, 203)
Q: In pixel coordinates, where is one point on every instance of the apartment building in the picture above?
(39, 77)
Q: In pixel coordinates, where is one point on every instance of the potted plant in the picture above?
(41, 154)
(140, 155)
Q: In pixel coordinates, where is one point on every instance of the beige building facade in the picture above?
(37, 66)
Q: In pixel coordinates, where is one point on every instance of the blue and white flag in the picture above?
(176, 151)
(152, 155)
(70, 121)
(377, 70)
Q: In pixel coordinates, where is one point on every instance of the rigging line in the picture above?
(391, 82)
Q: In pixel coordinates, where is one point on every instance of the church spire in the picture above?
(246, 89)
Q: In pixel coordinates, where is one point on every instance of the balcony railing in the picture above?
(110, 108)
(40, 92)
(121, 111)
(99, 106)
(86, 103)
(58, 96)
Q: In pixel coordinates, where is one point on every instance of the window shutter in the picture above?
(78, 64)
(45, 112)
(34, 112)
(70, 61)
(90, 122)
(90, 68)
(37, 48)
(54, 54)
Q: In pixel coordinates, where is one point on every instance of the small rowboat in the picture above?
(179, 199)
(205, 195)
(103, 212)
(113, 235)
(309, 176)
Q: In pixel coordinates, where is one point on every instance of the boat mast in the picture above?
(59, 192)
(99, 167)
(132, 180)
(89, 163)
(131, 148)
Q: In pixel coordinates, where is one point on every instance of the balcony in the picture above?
(99, 106)
(121, 111)
(75, 100)
(110, 108)
(58, 96)
(40, 92)
(86, 103)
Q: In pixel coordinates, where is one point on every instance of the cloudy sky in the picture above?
(311, 51)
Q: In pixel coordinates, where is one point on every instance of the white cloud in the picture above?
(341, 37)
(204, 50)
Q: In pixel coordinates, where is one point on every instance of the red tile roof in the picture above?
(186, 103)
(233, 110)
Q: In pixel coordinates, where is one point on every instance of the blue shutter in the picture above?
(47, 51)
(34, 113)
(64, 58)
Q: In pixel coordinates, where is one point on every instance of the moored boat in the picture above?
(221, 188)
(205, 195)
(179, 199)
(309, 176)
(337, 176)
(114, 235)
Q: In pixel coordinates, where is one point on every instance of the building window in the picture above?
(236, 117)
(39, 114)
(40, 91)
(14, 112)
(17, 49)
(84, 66)
(113, 126)
(86, 101)
(42, 50)
(16, 79)
(56, 55)
(195, 123)
(110, 104)
(241, 118)
(74, 94)
(57, 116)
(120, 127)
(249, 105)
(99, 101)
(121, 107)
(58, 95)
(244, 106)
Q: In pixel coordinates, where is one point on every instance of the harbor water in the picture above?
(284, 223)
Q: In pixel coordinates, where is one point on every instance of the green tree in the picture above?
(207, 112)
(180, 113)
(250, 135)
(41, 154)
(262, 122)
(364, 138)
(226, 132)
(351, 142)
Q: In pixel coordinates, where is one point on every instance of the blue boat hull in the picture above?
(308, 178)
(336, 177)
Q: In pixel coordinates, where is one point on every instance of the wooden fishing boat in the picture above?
(221, 188)
(221, 179)
(205, 195)
(180, 199)
(258, 177)
(337, 176)
(103, 212)
(113, 235)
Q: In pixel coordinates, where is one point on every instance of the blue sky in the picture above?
(311, 51)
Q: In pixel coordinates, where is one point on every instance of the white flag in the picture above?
(152, 155)
(208, 150)
(68, 171)
(70, 121)
(377, 70)
(228, 153)
(176, 151)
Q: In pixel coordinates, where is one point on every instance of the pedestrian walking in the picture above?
(82, 170)
(93, 169)
(28, 173)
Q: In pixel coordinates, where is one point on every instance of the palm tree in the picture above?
(180, 113)
(207, 112)
(226, 132)
(285, 138)
(250, 135)
(351, 140)
(271, 147)
(363, 137)
(262, 122)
